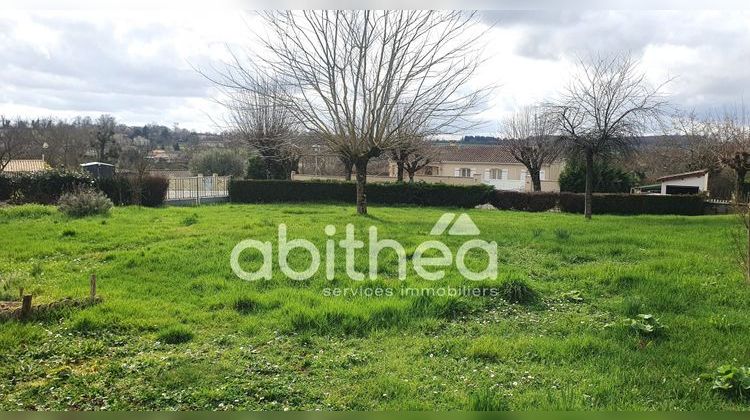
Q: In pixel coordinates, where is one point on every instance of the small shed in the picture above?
(685, 183)
(99, 169)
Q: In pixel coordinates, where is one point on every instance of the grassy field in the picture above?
(176, 329)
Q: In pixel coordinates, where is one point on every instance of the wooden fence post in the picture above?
(92, 282)
(26, 306)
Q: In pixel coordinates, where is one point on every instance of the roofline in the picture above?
(701, 172)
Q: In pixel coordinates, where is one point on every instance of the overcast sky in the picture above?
(138, 65)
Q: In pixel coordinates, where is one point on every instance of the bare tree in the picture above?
(531, 137)
(729, 136)
(347, 72)
(15, 138)
(258, 114)
(605, 109)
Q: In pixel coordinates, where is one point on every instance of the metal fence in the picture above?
(197, 188)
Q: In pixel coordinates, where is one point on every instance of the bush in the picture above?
(118, 188)
(522, 201)
(84, 202)
(632, 204)
(218, 161)
(607, 179)
(43, 187)
(423, 194)
(153, 190)
(256, 169)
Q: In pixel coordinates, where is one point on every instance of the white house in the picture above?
(685, 183)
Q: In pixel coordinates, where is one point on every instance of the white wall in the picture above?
(697, 181)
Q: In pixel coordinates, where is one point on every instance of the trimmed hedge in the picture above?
(522, 201)
(631, 204)
(419, 193)
(122, 190)
(47, 187)
(43, 187)
(423, 194)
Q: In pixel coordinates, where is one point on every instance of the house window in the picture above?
(523, 175)
(495, 174)
(465, 173)
(541, 175)
(504, 174)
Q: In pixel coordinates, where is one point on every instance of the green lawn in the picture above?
(164, 277)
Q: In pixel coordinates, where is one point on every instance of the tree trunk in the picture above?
(589, 183)
(400, 171)
(361, 166)
(348, 169)
(411, 176)
(536, 181)
(740, 190)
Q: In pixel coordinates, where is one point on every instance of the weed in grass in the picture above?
(646, 325)
(574, 296)
(10, 285)
(190, 220)
(732, 381)
(487, 400)
(536, 233)
(175, 335)
(518, 291)
(36, 269)
(723, 323)
(562, 234)
(68, 233)
(246, 305)
(632, 306)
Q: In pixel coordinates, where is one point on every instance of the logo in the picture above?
(430, 259)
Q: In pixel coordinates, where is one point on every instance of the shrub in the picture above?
(175, 335)
(423, 194)
(43, 187)
(6, 188)
(732, 381)
(118, 188)
(256, 169)
(607, 179)
(218, 161)
(153, 189)
(634, 204)
(84, 202)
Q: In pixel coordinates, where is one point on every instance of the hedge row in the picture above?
(423, 194)
(43, 187)
(629, 204)
(122, 190)
(272, 191)
(46, 187)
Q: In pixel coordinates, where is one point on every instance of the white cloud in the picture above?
(138, 64)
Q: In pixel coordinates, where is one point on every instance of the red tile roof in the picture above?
(26, 165)
(475, 153)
